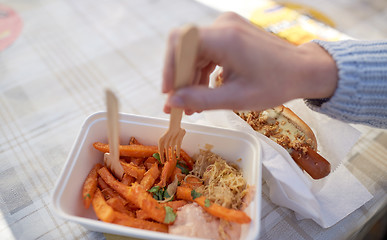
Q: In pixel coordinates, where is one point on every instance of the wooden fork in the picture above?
(185, 58)
(112, 159)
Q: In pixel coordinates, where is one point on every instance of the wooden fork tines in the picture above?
(172, 139)
(186, 50)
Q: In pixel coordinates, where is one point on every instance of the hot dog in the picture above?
(283, 126)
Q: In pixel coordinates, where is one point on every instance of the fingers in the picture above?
(231, 42)
(203, 67)
(187, 111)
(220, 40)
(199, 98)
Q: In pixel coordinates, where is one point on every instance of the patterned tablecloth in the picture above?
(53, 76)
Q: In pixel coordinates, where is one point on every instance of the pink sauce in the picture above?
(193, 221)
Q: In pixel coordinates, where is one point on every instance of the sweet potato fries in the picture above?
(148, 195)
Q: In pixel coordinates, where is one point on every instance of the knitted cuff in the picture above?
(361, 94)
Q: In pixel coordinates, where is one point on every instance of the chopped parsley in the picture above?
(207, 203)
(87, 196)
(159, 193)
(195, 194)
(183, 167)
(157, 156)
(154, 189)
(170, 216)
(166, 195)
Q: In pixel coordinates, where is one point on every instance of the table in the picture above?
(53, 76)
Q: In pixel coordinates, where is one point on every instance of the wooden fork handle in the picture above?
(185, 58)
(186, 51)
(112, 118)
(113, 160)
(175, 118)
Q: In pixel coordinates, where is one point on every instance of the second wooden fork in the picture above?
(186, 51)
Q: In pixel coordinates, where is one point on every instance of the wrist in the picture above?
(319, 72)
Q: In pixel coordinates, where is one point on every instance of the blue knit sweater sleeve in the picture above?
(361, 94)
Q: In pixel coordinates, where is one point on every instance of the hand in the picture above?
(260, 70)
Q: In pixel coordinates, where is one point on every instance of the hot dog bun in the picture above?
(283, 126)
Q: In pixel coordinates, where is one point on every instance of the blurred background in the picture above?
(353, 17)
(74, 48)
(362, 19)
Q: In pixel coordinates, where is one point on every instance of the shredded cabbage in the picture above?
(223, 182)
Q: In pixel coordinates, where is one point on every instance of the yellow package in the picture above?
(291, 25)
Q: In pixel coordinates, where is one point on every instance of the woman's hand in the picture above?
(260, 70)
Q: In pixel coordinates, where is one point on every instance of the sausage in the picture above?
(312, 162)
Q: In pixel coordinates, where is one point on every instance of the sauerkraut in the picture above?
(223, 183)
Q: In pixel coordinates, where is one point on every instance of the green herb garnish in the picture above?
(166, 195)
(159, 193)
(157, 156)
(170, 216)
(87, 196)
(183, 167)
(195, 194)
(207, 203)
(154, 189)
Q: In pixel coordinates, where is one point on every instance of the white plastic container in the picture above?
(231, 145)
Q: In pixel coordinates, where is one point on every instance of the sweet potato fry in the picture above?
(109, 193)
(129, 150)
(101, 208)
(231, 215)
(150, 177)
(167, 171)
(148, 163)
(131, 207)
(146, 202)
(119, 187)
(127, 179)
(118, 205)
(102, 184)
(172, 204)
(134, 141)
(90, 185)
(138, 161)
(191, 182)
(214, 209)
(135, 194)
(184, 193)
(175, 204)
(126, 220)
(177, 173)
(187, 159)
(133, 170)
(141, 214)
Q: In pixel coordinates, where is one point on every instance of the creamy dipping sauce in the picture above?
(193, 221)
